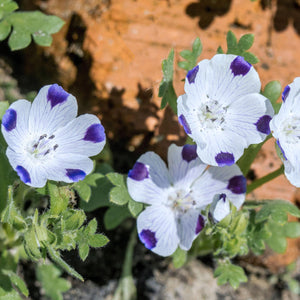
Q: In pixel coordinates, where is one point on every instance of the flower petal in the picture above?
(15, 124)
(51, 109)
(84, 135)
(227, 180)
(157, 230)
(32, 174)
(189, 226)
(184, 165)
(149, 180)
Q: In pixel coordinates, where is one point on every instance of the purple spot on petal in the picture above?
(148, 238)
(239, 66)
(223, 197)
(283, 153)
(191, 75)
(262, 124)
(23, 174)
(138, 172)
(189, 152)
(184, 123)
(95, 133)
(237, 184)
(75, 174)
(224, 159)
(285, 93)
(9, 120)
(200, 224)
(56, 95)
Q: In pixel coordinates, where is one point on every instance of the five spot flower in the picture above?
(222, 110)
(285, 127)
(176, 196)
(46, 141)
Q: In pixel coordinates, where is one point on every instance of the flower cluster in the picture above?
(176, 196)
(47, 142)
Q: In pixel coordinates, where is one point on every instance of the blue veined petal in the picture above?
(84, 135)
(157, 230)
(219, 208)
(51, 109)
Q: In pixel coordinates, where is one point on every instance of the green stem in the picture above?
(127, 266)
(259, 182)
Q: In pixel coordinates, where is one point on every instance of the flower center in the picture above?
(291, 129)
(211, 115)
(42, 146)
(181, 201)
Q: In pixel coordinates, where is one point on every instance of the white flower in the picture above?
(285, 127)
(220, 208)
(177, 195)
(46, 140)
(222, 110)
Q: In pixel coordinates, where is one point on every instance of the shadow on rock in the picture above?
(207, 10)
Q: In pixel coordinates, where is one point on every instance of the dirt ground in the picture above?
(109, 55)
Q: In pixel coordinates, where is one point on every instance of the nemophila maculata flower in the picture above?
(46, 141)
(177, 194)
(285, 127)
(222, 109)
(219, 208)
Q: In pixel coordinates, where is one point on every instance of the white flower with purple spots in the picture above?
(220, 208)
(176, 196)
(222, 109)
(285, 127)
(46, 141)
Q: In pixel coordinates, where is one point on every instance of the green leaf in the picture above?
(58, 260)
(5, 28)
(37, 24)
(135, 207)
(273, 91)
(231, 41)
(17, 281)
(59, 198)
(166, 89)
(277, 210)
(118, 194)
(246, 41)
(220, 50)
(179, 258)
(98, 240)
(49, 277)
(114, 216)
(31, 246)
(7, 7)
(277, 241)
(292, 229)
(84, 190)
(191, 57)
(3, 105)
(250, 58)
(227, 272)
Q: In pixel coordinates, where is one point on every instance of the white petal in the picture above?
(249, 123)
(68, 167)
(157, 230)
(83, 135)
(292, 173)
(184, 165)
(219, 208)
(148, 181)
(222, 148)
(15, 125)
(187, 228)
(29, 172)
(227, 180)
(52, 108)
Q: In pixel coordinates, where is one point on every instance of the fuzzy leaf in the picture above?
(135, 207)
(179, 258)
(118, 194)
(246, 41)
(277, 210)
(17, 281)
(191, 57)
(36, 24)
(59, 198)
(292, 229)
(115, 215)
(231, 40)
(273, 91)
(250, 58)
(53, 285)
(227, 272)
(166, 89)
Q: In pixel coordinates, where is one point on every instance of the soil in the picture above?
(109, 55)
